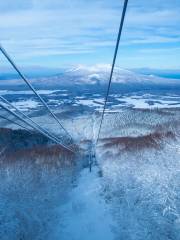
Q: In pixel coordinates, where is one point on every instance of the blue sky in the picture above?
(57, 33)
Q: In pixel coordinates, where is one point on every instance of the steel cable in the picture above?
(113, 65)
(39, 130)
(4, 52)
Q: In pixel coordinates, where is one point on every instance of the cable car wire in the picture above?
(15, 123)
(26, 116)
(39, 130)
(113, 65)
(4, 52)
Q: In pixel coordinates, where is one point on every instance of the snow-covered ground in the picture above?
(86, 215)
(149, 102)
(60, 99)
(26, 105)
(133, 191)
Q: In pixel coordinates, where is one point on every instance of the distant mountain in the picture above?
(100, 74)
(164, 73)
(93, 75)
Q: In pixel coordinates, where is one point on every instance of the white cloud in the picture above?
(63, 27)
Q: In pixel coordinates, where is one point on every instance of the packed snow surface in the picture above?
(86, 215)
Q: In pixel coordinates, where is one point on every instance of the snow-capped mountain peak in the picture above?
(95, 74)
(100, 73)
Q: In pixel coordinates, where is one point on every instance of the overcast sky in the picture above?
(65, 32)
